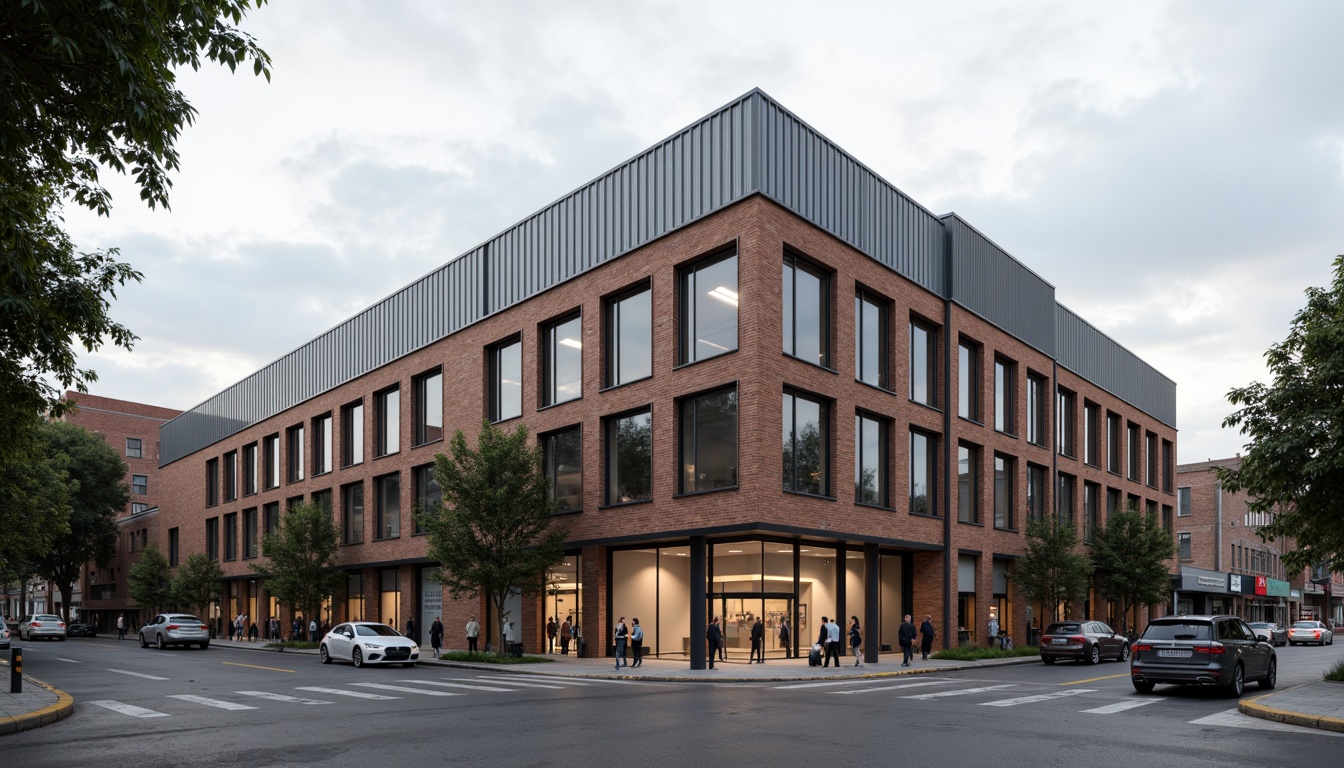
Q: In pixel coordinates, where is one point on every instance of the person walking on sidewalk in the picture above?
(622, 634)
(784, 635)
(906, 636)
(436, 636)
(926, 634)
(715, 637)
(856, 640)
(121, 627)
(473, 633)
(757, 642)
(832, 645)
(551, 629)
(565, 629)
(637, 642)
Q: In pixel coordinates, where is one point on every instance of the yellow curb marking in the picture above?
(254, 666)
(63, 706)
(1095, 679)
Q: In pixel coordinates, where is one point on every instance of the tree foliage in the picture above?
(301, 569)
(196, 584)
(1053, 571)
(34, 509)
(150, 582)
(1293, 465)
(493, 534)
(1131, 556)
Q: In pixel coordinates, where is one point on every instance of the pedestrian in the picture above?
(252, 633)
(410, 630)
(436, 636)
(295, 627)
(926, 636)
(121, 627)
(551, 629)
(906, 636)
(832, 643)
(312, 631)
(714, 635)
(757, 642)
(637, 642)
(855, 640)
(239, 625)
(273, 629)
(622, 634)
(993, 629)
(473, 632)
(575, 634)
(784, 635)
(565, 631)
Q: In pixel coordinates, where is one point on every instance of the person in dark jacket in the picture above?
(436, 636)
(714, 634)
(784, 635)
(906, 636)
(926, 636)
(856, 640)
(757, 642)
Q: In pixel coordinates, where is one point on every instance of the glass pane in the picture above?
(564, 465)
(809, 298)
(630, 457)
(431, 409)
(712, 324)
(919, 364)
(920, 502)
(868, 480)
(510, 381)
(966, 485)
(709, 441)
(566, 361)
(805, 447)
(632, 319)
(872, 354)
(389, 506)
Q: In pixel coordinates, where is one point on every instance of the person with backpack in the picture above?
(926, 636)
(622, 634)
(637, 642)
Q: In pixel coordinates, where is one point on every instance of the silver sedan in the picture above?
(367, 642)
(175, 629)
(1305, 632)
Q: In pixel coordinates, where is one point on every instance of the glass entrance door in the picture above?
(738, 613)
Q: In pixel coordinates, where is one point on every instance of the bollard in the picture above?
(16, 670)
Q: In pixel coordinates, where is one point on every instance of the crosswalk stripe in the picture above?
(280, 697)
(136, 674)
(406, 689)
(342, 692)
(824, 684)
(962, 692)
(1034, 699)
(898, 686)
(521, 684)
(446, 684)
(1234, 719)
(1120, 706)
(126, 709)
(550, 679)
(68, 661)
(216, 703)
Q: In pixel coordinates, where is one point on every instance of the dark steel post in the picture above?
(16, 670)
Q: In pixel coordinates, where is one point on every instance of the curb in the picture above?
(62, 709)
(1254, 708)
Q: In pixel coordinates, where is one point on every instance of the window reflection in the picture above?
(709, 309)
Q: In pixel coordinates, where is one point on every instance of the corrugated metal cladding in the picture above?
(994, 285)
(752, 145)
(1098, 358)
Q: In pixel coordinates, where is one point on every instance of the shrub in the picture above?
(976, 653)
(1335, 673)
(490, 658)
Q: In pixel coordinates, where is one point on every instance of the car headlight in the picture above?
(373, 646)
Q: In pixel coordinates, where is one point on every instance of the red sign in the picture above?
(1261, 585)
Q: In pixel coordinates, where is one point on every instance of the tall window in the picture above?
(211, 482)
(629, 457)
(923, 473)
(923, 363)
(807, 312)
(1132, 445)
(388, 490)
(1036, 422)
(270, 449)
(212, 538)
(1065, 424)
(270, 514)
(1113, 442)
(562, 361)
(629, 336)
(322, 444)
(968, 380)
(1183, 502)
(352, 514)
(428, 389)
(1064, 499)
(133, 447)
(562, 457)
(1003, 491)
(140, 485)
(250, 532)
(871, 351)
(428, 494)
(174, 548)
(1005, 372)
(1150, 458)
(806, 444)
(231, 536)
(968, 483)
(1167, 522)
(1092, 434)
(1112, 503)
(294, 453)
(250, 469)
(1183, 550)
(1035, 493)
(870, 460)
(387, 421)
(352, 434)
(709, 441)
(709, 308)
(230, 475)
(1168, 464)
(1091, 502)
(323, 500)
(506, 380)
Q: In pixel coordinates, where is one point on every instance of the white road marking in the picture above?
(521, 684)
(1233, 718)
(898, 686)
(1111, 709)
(827, 683)
(68, 661)
(576, 680)
(216, 703)
(341, 692)
(406, 689)
(962, 692)
(280, 697)
(126, 709)
(457, 685)
(1039, 697)
(136, 674)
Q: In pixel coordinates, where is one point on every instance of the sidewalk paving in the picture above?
(1315, 705)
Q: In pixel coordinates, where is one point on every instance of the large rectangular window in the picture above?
(294, 453)
(133, 448)
(923, 362)
(387, 421)
(1132, 448)
(1113, 455)
(250, 469)
(629, 452)
(708, 308)
(870, 460)
(323, 500)
(322, 444)
(212, 538)
(1150, 459)
(1168, 464)
(1036, 387)
(1004, 467)
(806, 444)
(923, 473)
(140, 485)
(807, 312)
(871, 351)
(231, 536)
(428, 388)
(1064, 499)
(1112, 503)
(250, 532)
(211, 482)
(1091, 503)
(968, 483)
(174, 548)
(1092, 434)
(352, 514)
(1183, 502)
(629, 336)
(1183, 548)
(506, 380)
(428, 494)
(1035, 493)
(270, 514)
(562, 360)
(230, 476)
(1065, 422)
(562, 458)
(352, 434)
(270, 449)
(388, 490)
(708, 434)
(968, 380)
(1005, 416)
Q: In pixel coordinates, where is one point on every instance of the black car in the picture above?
(81, 629)
(1202, 650)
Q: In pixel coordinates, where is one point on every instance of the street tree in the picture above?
(150, 582)
(98, 495)
(85, 89)
(1130, 555)
(301, 558)
(493, 534)
(34, 510)
(196, 584)
(1293, 464)
(1052, 571)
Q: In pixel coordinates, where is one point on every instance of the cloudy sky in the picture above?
(1175, 169)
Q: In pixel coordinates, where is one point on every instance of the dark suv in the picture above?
(1202, 650)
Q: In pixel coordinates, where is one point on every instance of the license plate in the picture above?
(1059, 641)
(1173, 653)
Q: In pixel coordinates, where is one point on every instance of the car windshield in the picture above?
(1177, 631)
(185, 620)
(46, 617)
(376, 630)
(1304, 625)
(1059, 629)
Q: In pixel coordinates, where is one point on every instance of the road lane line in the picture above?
(280, 697)
(137, 674)
(68, 661)
(958, 693)
(254, 666)
(342, 692)
(898, 686)
(126, 709)
(216, 703)
(842, 682)
(1111, 709)
(1036, 698)
(521, 684)
(458, 685)
(406, 689)
(1095, 679)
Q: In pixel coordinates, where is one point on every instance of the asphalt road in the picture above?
(147, 707)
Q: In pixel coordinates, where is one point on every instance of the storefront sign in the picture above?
(1277, 588)
(1261, 585)
(1200, 580)
(1234, 584)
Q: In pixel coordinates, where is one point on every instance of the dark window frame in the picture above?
(688, 312)
(614, 323)
(881, 357)
(928, 350)
(551, 469)
(794, 263)
(882, 495)
(550, 355)
(611, 477)
(423, 431)
(495, 399)
(791, 484)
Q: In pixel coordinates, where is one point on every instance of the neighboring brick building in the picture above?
(711, 343)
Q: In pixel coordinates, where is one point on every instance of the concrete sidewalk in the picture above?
(1316, 705)
(38, 705)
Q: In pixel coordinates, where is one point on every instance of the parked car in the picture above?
(1305, 632)
(1202, 650)
(1270, 632)
(46, 625)
(175, 629)
(81, 629)
(368, 642)
(1087, 641)
(4, 637)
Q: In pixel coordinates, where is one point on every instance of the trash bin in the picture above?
(581, 650)
(1033, 636)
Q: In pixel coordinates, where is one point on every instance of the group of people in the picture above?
(566, 631)
(634, 635)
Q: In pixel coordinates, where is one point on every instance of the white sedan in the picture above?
(1310, 632)
(368, 642)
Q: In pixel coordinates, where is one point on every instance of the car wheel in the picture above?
(1237, 684)
(1124, 653)
(357, 656)
(1048, 659)
(158, 640)
(323, 655)
(1143, 686)
(1271, 676)
(205, 645)
(143, 644)
(1094, 655)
